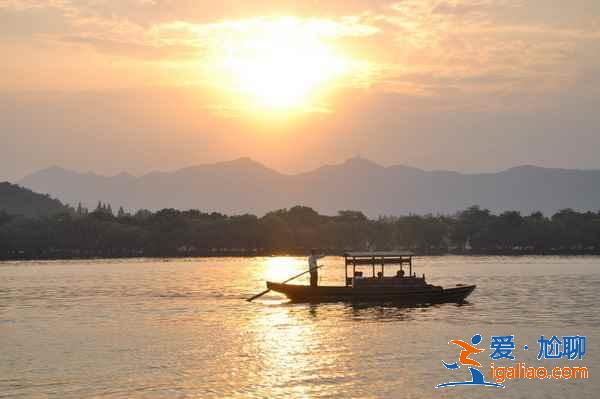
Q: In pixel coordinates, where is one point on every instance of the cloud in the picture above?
(465, 84)
(462, 41)
(139, 51)
(468, 46)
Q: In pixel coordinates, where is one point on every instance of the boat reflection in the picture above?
(391, 312)
(365, 311)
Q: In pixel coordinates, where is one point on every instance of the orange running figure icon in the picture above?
(467, 351)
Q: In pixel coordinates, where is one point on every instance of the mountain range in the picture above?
(246, 186)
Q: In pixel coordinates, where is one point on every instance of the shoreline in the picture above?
(248, 254)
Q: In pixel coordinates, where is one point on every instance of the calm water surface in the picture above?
(182, 328)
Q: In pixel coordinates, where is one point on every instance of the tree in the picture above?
(508, 230)
(472, 225)
(171, 232)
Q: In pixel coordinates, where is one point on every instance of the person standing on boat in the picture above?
(312, 266)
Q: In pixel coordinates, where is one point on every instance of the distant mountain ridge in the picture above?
(246, 186)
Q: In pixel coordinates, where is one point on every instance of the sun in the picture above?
(279, 64)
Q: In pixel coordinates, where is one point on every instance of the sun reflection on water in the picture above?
(283, 341)
(280, 268)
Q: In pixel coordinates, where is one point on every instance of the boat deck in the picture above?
(411, 294)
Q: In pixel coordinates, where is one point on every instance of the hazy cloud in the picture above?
(474, 77)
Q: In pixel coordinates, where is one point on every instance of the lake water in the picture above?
(181, 328)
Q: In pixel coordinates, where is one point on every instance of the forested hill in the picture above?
(16, 200)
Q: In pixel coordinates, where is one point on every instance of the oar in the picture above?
(286, 281)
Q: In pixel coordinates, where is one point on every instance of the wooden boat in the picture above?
(399, 288)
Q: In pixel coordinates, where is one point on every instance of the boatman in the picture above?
(312, 266)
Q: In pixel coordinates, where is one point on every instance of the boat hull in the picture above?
(405, 295)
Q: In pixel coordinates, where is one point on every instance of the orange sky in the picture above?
(142, 84)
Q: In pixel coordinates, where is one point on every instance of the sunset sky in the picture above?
(141, 85)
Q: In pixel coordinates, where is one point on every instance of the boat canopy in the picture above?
(378, 258)
(377, 254)
(382, 259)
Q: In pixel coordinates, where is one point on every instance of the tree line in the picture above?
(78, 232)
